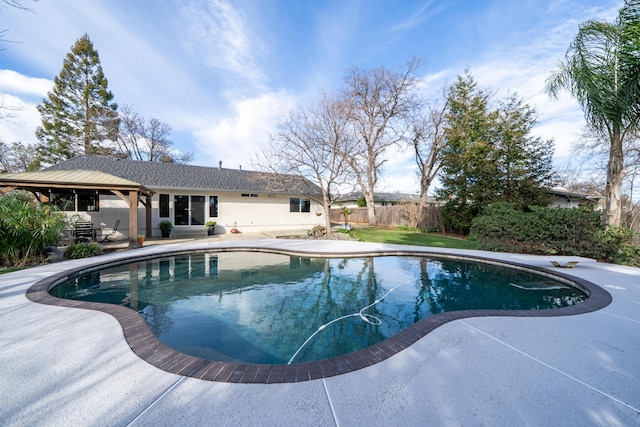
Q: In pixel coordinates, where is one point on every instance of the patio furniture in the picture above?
(84, 231)
(106, 237)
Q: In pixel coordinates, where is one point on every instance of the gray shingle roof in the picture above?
(179, 176)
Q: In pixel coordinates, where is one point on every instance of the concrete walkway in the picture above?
(63, 366)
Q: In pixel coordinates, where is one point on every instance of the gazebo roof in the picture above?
(76, 179)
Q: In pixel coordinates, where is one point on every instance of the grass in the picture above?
(411, 237)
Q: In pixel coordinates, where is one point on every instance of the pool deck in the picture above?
(67, 366)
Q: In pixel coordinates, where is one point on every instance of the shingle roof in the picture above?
(179, 176)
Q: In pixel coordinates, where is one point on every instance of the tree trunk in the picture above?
(371, 208)
(613, 190)
(422, 210)
(327, 213)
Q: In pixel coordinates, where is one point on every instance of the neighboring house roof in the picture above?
(563, 192)
(180, 176)
(386, 197)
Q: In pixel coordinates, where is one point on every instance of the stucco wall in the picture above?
(266, 212)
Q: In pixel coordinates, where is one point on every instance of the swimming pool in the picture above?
(273, 308)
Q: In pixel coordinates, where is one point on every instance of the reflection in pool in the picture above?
(270, 308)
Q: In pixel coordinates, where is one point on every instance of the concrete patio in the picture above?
(65, 366)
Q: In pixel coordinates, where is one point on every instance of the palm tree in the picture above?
(602, 71)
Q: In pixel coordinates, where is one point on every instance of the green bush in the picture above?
(552, 231)
(27, 229)
(82, 250)
(406, 227)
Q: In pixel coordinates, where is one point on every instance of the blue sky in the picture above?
(222, 73)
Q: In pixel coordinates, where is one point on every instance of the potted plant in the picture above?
(211, 225)
(166, 227)
(140, 240)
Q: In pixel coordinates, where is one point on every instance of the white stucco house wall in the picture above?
(188, 196)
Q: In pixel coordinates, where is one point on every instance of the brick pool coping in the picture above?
(148, 347)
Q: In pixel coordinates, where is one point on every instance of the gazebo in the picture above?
(45, 183)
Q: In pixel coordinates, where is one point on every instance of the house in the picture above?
(381, 199)
(563, 198)
(104, 190)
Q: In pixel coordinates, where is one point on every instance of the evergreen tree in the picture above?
(467, 159)
(77, 116)
(490, 155)
(524, 162)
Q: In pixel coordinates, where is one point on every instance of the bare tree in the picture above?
(17, 157)
(380, 100)
(427, 137)
(8, 112)
(313, 142)
(11, 3)
(146, 140)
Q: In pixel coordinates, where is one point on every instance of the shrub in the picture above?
(616, 244)
(165, 225)
(553, 231)
(27, 229)
(82, 250)
(545, 231)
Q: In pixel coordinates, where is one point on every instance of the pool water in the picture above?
(268, 308)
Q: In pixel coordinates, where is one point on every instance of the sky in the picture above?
(222, 73)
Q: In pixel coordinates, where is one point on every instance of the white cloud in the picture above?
(235, 139)
(16, 83)
(21, 125)
(399, 172)
(219, 37)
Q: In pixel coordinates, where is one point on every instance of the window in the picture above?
(249, 195)
(213, 206)
(297, 204)
(164, 206)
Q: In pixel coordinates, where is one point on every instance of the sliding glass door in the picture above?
(189, 210)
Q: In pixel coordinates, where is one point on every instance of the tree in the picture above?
(427, 138)
(602, 71)
(77, 116)
(145, 140)
(524, 162)
(380, 100)
(11, 3)
(314, 141)
(490, 155)
(17, 157)
(466, 163)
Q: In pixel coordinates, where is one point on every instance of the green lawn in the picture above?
(395, 235)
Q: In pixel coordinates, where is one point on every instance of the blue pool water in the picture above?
(270, 308)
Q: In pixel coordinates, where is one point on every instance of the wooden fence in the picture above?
(390, 216)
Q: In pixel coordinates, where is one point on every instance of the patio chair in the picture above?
(106, 237)
(84, 232)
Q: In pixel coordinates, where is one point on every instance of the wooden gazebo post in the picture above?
(133, 219)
